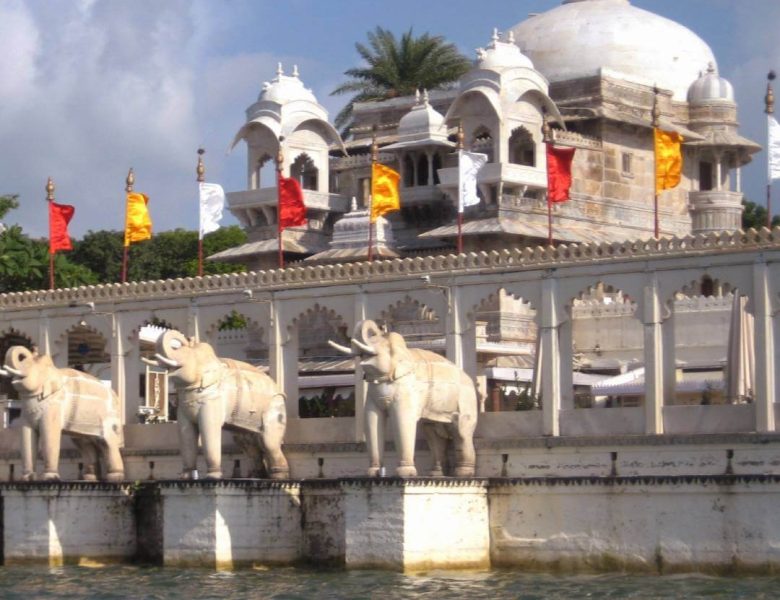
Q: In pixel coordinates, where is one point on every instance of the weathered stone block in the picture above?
(408, 525)
(67, 523)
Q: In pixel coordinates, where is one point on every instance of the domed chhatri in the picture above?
(585, 37)
(422, 122)
(711, 87)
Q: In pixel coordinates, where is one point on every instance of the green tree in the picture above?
(754, 215)
(101, 253)
(396, 67)
(7, 203)
(216, 241)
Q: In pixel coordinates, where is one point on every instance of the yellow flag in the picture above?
(138, 223)
(384, 191)
(668, 159)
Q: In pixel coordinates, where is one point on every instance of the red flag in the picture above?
(558, 173)
(292, 212)
(59, 217)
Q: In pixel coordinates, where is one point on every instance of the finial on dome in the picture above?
(711, 67)
(495, 37)
(770, 93)
(510, 37)
(417, 96)
(279, 70)
(425, 97)
(295, 71)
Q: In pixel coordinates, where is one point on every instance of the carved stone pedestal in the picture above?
(223, 524)
(416, 524)
(67, 523)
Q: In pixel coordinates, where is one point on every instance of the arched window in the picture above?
(408, 171)
(264, 173)
(422, 170)
(305, 172)
(436, 167)
(483, 142)
(522, 149)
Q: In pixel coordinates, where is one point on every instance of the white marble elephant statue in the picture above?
(56, 401)
(215, 392)
(411, 385)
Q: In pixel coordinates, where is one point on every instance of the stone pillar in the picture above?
(654, 358)
(360, 384)
(224, 524)
(407, 525)
(67, 523)
(429, 155)
(549, 319)
(456, 324)
(764, 349)
(283, 357)
(118, 374)
(567, 364)
(739, 179)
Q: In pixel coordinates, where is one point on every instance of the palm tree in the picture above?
(399, 68)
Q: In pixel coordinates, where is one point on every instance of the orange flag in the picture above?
(668, 159)
(384, 191)
(138, 223)
(59, 217)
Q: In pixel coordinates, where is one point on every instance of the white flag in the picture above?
(774, 149)
(469, 165)
(212, 201)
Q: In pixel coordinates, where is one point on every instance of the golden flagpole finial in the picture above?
(374, 146)
(280, 155)
(546, 129)
(130, 181)
(201, 168)
(656, 108)
(770, 93)
(50, 190)
(461, 139)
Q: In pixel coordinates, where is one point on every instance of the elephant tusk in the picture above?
(150, 362)
(167, 361)
(341, 348)
(364, 347)
(7, 371)
(4, 373)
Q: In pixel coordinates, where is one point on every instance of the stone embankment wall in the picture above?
(719, 523)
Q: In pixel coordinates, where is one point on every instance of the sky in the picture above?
(89, 88)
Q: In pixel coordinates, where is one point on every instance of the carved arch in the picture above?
(314, 328)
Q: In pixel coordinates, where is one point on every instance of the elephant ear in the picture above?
(370, 333)
(170, 342)
(401, 357)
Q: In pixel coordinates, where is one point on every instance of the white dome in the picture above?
(422, 119)
(710, 87)
(581, 37)
(283, 89)
(502, 55)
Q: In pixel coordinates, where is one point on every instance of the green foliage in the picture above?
(754, 215)
(7, 203)
(399, 67)
(101, 253)
(235, 320)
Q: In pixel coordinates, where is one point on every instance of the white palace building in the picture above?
(609, 355)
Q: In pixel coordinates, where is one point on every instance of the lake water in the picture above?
(293, 583)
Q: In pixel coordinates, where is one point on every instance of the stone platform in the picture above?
(718, 523)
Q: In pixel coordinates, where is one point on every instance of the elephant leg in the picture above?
(112, 457)
(89, 457)
(51, 438)
(438, 446)
(29, 452)
(375, 437)
(404, 417)
(210, 421)
(465, 456)
(274, 425)
(188, 445)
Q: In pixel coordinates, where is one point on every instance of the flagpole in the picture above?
(459, 147)
(547, 138)
(656, 123)
(279, 168)
(200, 170)
(50, 199)
(374, 158)
(129, 181)
(770, 110)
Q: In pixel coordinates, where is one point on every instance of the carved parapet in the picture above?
(539, 257)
